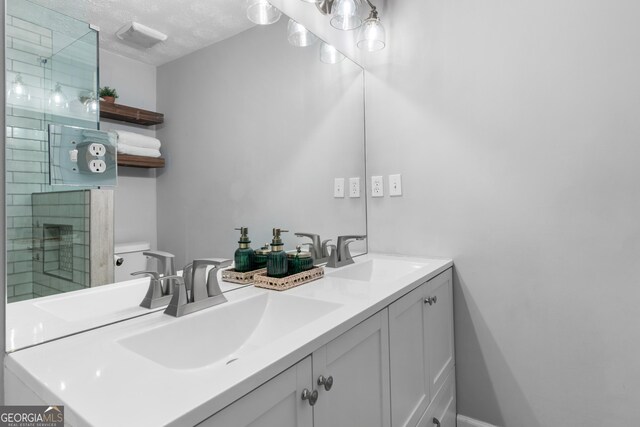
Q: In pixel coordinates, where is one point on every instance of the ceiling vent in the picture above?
(140, 35)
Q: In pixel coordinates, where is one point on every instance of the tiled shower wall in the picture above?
(33, 53)
(26, 148)
(61, 227)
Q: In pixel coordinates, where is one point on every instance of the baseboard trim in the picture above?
(464, 421)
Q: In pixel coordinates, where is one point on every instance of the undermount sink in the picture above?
(377, 270)
(227, 332)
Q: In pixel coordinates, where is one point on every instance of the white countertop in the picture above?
(102, 383)
(39, 320)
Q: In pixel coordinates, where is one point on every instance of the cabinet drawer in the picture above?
(443, 407)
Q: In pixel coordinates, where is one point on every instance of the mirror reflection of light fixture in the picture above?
(345, 15)
(298, 35)
(329, 54)
(91, 103)
(58, 99)
(371, 36)
(261, 12)
(18, 90)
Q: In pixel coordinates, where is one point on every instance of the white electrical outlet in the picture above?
(377, 189)
(395, 185)
(338, 188)
(97, 150)
(97, 166)
(354, 186)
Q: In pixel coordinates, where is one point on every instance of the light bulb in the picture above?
(329, 54)
(262, 12)
(298, 35)
(57, 99)
(371, 36)
(345, 15)
(18, 91)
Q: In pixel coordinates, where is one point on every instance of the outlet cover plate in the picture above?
(395, 185)
(354, 186)
(338, 188)
(377, 188)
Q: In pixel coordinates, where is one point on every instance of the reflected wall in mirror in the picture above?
(51, 68)
(256, 131)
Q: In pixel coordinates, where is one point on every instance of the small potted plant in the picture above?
(108, 94)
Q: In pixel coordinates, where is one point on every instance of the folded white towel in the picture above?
(137, 140)
(138, 151)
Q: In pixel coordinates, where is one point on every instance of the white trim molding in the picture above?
(464, 421)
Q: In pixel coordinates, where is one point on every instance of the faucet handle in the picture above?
(179, 297)
(153, 274)
(215, 262)
(200, 289)
(166, 265)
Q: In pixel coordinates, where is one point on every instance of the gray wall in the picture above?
(255, 132)
(135, 196)
(515, 125)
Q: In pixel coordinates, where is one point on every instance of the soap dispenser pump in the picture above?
(277, 258)
(244, 257)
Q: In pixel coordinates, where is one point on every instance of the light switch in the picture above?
(338, 188)
(395, 185)
(377, 189)
(354, 187)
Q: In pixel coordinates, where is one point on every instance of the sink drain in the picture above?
(230, 361)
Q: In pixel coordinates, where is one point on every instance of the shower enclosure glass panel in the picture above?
(51, 77)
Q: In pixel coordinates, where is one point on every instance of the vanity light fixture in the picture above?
(262, 12)
(329, 54)
(345, 16)
(371, 36)
(18, 90)
(298, 35)
(57, 98)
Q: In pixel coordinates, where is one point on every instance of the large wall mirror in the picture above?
(255, 132)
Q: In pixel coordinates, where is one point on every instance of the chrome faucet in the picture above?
(205, 289)
(158, 295)
(340, 255)
(166, 267)
(319, 251)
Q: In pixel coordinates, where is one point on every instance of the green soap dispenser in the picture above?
(244, 256)
(277, 258)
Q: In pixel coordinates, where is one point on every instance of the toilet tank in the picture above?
(128, 258)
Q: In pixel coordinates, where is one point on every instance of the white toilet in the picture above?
(128, 258)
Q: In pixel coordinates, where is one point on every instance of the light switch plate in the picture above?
(377, 188)
(338, 188)
(354, 186)
(395, 185)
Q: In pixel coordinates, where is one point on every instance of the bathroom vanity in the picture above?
(369, 344)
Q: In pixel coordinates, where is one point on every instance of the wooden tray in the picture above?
(261, 280)
(233, 276)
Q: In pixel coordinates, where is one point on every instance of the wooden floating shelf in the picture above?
(128, 114)
(139, 161)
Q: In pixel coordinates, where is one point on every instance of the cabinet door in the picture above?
(358, 362)
(440, 329)
(276, 403)
(410, 383)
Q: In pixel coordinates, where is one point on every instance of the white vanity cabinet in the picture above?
(355, 364)
(422, 354)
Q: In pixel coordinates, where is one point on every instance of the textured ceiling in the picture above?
(190, 24)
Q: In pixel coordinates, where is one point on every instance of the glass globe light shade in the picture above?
(261, 12)
(345, 15)
(371, 37)
(311, 1)
(329, 54)
(58, 99)
(18, 91)
(298, 35)
(91, 105)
